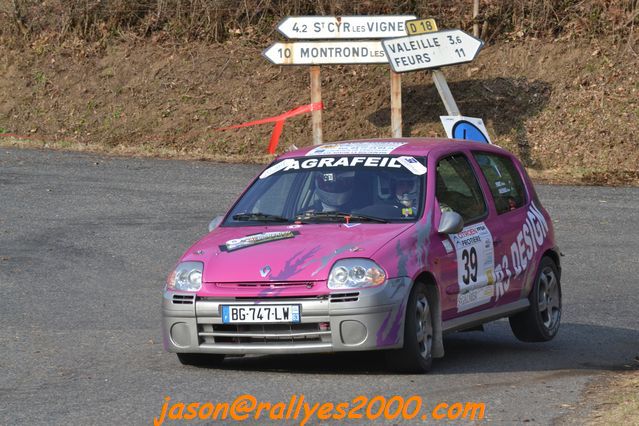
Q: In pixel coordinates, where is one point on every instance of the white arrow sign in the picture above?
(326, 52)
(432, 50)
(344, 27)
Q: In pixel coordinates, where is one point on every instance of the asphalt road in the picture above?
(86, 242)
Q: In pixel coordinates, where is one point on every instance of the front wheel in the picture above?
(540, 322)
(200, 360)
(416, 355)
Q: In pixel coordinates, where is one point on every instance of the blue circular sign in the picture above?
(468, 131)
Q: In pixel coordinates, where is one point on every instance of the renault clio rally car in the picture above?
(369, 245)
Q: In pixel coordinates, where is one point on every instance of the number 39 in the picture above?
(470, 265)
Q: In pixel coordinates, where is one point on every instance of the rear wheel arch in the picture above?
(554, 255)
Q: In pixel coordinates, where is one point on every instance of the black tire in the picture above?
(540, 322)
(200, 360)
(416, 355)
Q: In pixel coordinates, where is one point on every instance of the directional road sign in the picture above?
(326, 52)
(344, 27)
(431, 50)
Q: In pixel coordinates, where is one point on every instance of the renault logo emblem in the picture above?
(265, 271)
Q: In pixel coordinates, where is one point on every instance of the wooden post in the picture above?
(475, 13)
(316, 96)
(444, 92)
(396, 104)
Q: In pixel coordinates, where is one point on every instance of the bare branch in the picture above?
(19, 18)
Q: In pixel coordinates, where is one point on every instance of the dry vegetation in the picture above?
(619, 404)
(216, 20)
(558, 82)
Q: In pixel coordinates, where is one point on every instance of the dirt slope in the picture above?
(570, 107)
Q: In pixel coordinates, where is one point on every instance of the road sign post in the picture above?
(475, 13)
(396, 104)
(316, 96)
(339, 49)
(444, 93)
(424, 48)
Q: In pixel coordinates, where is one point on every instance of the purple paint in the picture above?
(392, 336)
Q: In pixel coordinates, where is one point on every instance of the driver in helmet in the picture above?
(334, 190)
(405, 195)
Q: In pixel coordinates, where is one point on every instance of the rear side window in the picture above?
(504, 181)
(458, 189)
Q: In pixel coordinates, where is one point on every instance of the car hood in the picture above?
(286, 253)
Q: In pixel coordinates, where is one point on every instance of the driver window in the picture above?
(458, 189)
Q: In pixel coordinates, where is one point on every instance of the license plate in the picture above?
(260, 314)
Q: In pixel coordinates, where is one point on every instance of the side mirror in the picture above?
(450, 223)
(215, 222)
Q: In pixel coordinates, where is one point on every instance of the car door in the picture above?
(467, 269)
(514, 239)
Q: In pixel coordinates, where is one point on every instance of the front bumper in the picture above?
(355, 320)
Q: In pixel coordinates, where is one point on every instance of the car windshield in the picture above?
(371, 189)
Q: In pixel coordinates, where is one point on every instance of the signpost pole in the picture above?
(475, 13)
(444, 92)
(316, 96)
(396, 104)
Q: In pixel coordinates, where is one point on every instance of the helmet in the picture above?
(334, 189)
(405, 189)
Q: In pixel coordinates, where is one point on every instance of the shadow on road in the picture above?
(578, 347)
(504, 102)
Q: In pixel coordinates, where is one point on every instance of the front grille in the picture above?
(183, 299)
(274, 284)
(344, 297)
(264, 334)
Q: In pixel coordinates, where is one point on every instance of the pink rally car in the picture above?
(369, 245)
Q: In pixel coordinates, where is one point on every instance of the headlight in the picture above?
(355, 273)
(187, 276)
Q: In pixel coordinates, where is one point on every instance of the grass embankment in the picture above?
(557, 83)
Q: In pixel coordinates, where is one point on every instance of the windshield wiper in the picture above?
(263, 217)
(352, 217)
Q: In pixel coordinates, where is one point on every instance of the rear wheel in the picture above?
(540, 322)
(416, 355)
(200, 360)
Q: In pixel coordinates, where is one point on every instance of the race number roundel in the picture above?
(475, 256)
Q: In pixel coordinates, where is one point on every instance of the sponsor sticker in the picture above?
(369, 148)
(447, 246)
(474, 298)
(523, 249)
(251, 240)
(414, 166)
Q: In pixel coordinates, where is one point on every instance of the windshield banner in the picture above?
(410, 163)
